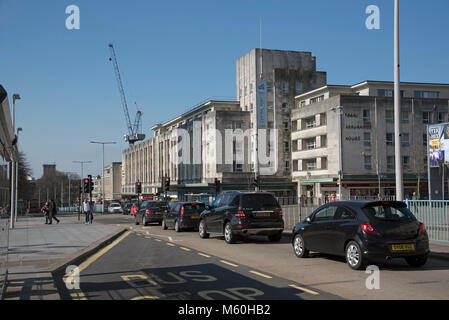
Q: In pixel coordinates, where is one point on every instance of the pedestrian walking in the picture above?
(87, 211)
(45, 211)
(54, 211)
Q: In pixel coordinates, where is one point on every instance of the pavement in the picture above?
(37, 251)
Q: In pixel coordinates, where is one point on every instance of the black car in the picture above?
(151, 211)
(243, 213)
(363, 232)
(183, 215)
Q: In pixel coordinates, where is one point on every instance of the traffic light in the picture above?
(217, 186)
(86, 186)
(166, 184)
(138, 187)
(91, 184)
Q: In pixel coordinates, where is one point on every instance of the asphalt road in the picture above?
(151, 263)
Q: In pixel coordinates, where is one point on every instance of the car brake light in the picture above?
(422, 229)
(147, 211)
(281, 214)
(369, 229)
(240, 215)
(182, 211)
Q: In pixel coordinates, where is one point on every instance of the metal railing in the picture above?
(435, 216)
(4, 245)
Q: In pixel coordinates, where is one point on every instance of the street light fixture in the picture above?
(102, 180)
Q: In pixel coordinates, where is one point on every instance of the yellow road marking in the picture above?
(261, 274)
(185, 249)
(145, 298)
(204, 255)
(158, 240)
(170, 244)
(304, 289)
(96, 256)
(78, 296)
(228, 263)
(138, 276)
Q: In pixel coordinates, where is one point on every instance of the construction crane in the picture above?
(133, 129)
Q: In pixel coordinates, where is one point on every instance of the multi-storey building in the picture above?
(113, 181)
(350, 129)
(286, 74)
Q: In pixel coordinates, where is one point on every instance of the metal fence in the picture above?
(4, 245)
(434, 214)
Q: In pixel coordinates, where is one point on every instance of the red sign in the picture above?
(148, 197)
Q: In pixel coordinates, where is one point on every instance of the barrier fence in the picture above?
(4, 244)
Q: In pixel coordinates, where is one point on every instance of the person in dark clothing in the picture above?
(52, 212)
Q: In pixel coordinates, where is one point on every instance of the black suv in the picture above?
(151, 211)
(238, 213)
(182, 215)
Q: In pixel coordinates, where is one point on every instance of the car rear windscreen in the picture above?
(194, 207)
(389, 213)
(156, 204)
(258, 201)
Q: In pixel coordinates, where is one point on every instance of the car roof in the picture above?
(366, 203)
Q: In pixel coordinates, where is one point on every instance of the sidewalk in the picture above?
(37, 249)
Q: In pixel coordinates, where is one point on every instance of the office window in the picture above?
(390, 139)
(405, 161)
(302, 103)
(310, 164)
(366, 116)
(310, 122)
(404, 117)
(385, 93)
(405, 140)
(390, 162)
(317, 99)
(426, 117)
(367, 162)
(269, 86)
(389, 116)
(367, 139)
(299, 88)
(286, 126)
(323, 163)
(237, 167)
(286, 146)
(270, 125)
(440, 117)
(287, 165)
(269, 106)
(284, 87)
(285, 107)
(310, 143)
(424, 139)
(427, 94)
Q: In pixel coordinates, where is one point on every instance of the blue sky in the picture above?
(173, 54)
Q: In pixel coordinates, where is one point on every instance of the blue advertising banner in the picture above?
(261, 103)
(438, 145)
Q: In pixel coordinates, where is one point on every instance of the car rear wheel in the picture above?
(164, 225)
(202, 230)
(177, 227)
(417, 261)
(299, 248)
(144, 221)
(354, 257)
(136, 220)
(275, 237)
(229, 237)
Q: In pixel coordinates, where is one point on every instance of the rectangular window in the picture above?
(286, 126)
(270, 125)
(287, 165)
(405, 161)
(286, 146)
(310, 143)
(310, 164)
(426, 117)
(237, 167)
(323, 163)
(390, 162)
(366, 117)
(440, 117)
(390, 139)
(299, 88)
(385, 93)
(284, 87)
(367, 162)
(270, 106)
(424, 139)
(367, 139)
(427, 94)
(389, 116)
(285, 107)
(310, 122)
(405, 140)
(302, 103)
(317, 99)
(269, 86)
(251, 88)
(404, 117)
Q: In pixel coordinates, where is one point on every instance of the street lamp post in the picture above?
(17, 176)
(102, 169)
(14, 166)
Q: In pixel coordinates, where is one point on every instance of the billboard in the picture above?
(438, 145)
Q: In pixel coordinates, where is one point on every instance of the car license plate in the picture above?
(403, 247)
(263, 214)
(194, 217)
(158, 212)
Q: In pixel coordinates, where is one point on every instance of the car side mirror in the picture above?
(308, 220)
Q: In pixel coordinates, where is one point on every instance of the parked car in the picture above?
(243, 213)
(115, 207)
(363, 232)
(183, 215)
(151, 211)
(127, 208)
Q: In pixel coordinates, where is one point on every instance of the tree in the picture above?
(25, 184)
